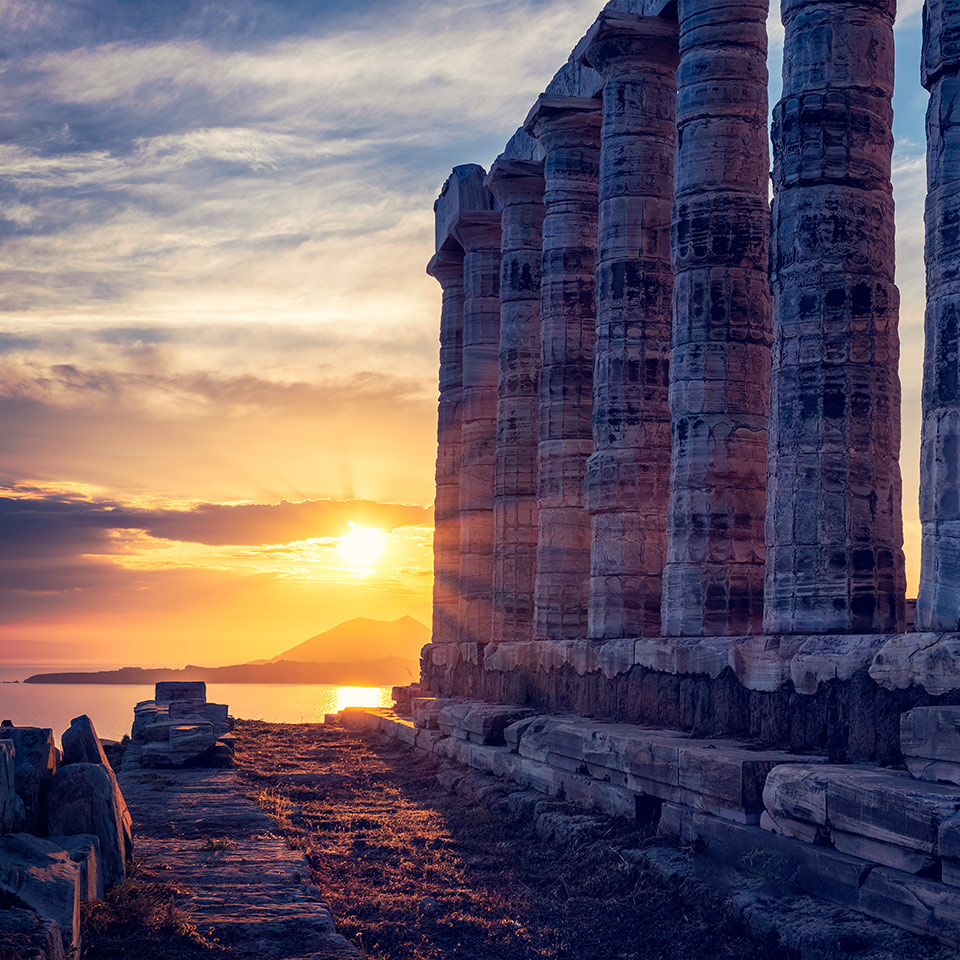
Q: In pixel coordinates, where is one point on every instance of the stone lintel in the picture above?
(478, 229)
(552, 113)
(462, 192)
(618, 40)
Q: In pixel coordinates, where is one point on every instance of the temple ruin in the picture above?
(668, 481)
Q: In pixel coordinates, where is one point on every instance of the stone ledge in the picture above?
(764, 663)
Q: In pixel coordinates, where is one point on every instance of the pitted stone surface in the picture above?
(628, 474)
(834, 530)
(479, 234)
(447, 268)
(938, 601)
(720, 356)
(568, 129)
(518, 187)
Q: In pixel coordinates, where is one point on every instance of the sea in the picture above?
(110, 706)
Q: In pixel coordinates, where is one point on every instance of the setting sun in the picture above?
(362, 547)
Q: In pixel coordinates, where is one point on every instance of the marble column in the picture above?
(938, 602)
(834, 530)
(447, 268)
(518, 188)
(720, 356)
(479, 234)
(628, 475)
(568, 129)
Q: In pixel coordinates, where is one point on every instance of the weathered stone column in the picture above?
(938, 602)
(518, 188)
(628, 475)
(568, 129)
(447, 268)
(720, 357)
(479, 233)
(834, 530)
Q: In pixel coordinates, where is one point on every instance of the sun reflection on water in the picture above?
(362, 697)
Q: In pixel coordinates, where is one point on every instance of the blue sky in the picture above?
(214, 222)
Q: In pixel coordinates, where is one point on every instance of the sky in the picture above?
(218, 346)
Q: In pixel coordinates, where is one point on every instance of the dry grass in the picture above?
(145, 921)
(413, 873)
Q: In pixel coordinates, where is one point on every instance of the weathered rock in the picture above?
(519, 188)
(628, 474)
(568, 130)
(43, 877)
(85, 799)
(930, 661)
(938, 600)
(25, 935)
(81, 743)
(34, 763)
(478, 232)
(11, 806)
(924, 906)
(171, 691)
(720, 355)
(84, 850)
(834, 529)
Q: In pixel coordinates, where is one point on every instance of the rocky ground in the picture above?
(412, 872)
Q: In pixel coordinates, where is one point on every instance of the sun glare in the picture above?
(362, 548)
(360, 697)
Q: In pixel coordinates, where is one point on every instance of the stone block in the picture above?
(33, 936)
(42, 876)
(926, 907)
(84, 799)
(81, 744)
(34, 763)
(927, 660)
(836, 657)
(360, 718)
(11, 806)
(191, 739)
(930, 741)
(798, 793)
(170, 691)
(485, 722)
(797, 829)
(426, 712)
(84, 850)
(887, 854)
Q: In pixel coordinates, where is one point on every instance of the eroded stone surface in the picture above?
(34, 763)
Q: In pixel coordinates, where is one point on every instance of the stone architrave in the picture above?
(834, 531)
(518, 188)
(479, 234)
(628, 475)
(938, 601)
(720, 356)
(568, 130)
(447, 268)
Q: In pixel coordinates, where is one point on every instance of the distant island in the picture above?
(393, 648)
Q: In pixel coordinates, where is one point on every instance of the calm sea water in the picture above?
(111, 706)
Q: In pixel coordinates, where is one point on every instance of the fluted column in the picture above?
(834, 530)
(938, 602)
(628, 475)
(518, 187)
(720, 356)
(568, 129)
(447, 268)
(479, 233)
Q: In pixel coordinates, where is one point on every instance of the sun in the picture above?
(362, 548)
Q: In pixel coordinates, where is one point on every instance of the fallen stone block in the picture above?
(923, 906)
(34, 763)
(84, 799)
(84, 850)
(169, 691)
(43, 877)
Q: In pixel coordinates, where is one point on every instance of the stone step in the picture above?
(930, 741)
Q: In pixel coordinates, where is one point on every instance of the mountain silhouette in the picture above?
(362, 639)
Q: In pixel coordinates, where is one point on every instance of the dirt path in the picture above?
(414, 873)
(238, 881)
